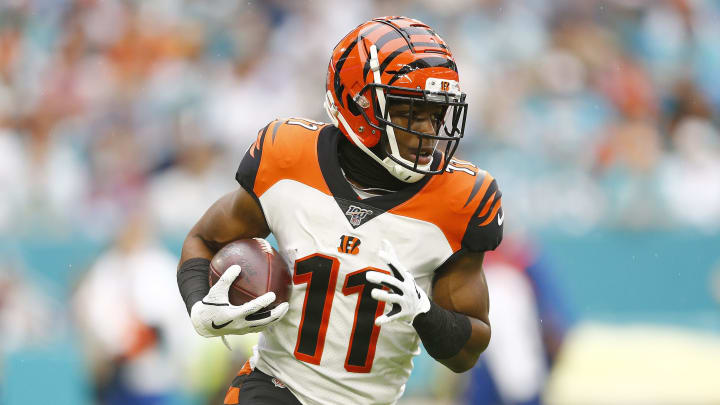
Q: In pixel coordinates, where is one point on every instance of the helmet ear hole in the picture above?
(352, 105)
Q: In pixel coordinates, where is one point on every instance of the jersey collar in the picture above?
(358, 211)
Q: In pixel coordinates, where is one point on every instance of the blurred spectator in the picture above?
(31, 322)
(691, 178)
(119, 166)
(715, 283)
(529, 318)
(12, 179)
(128, 312)
(178, 195)
(25, 312)
(628, 167)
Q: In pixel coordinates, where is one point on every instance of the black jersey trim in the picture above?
(476, 187)
(249, 165)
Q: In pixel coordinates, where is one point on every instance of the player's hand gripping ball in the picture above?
(263, 270)
(250, 286)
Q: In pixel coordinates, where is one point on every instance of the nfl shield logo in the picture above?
(357, 214)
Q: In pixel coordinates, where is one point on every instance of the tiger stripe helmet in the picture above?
(394, 59)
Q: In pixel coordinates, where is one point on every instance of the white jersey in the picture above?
(327, 349)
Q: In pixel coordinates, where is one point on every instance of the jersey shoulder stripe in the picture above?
(462, 202)
(485, 229)
(284, 149)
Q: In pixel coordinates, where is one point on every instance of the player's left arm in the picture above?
(453, 326)
(460, 288)
(460, 300)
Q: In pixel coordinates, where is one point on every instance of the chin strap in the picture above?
(338, 118)
(392, 167)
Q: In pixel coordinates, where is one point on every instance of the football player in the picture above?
(384, 229)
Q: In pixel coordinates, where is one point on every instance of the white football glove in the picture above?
(407, 298)
(215, 316)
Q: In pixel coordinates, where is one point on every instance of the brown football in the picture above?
(263, 270)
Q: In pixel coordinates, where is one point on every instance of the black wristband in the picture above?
(442, 332)
(193, 279)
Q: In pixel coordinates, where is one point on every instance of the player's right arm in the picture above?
(234, 216)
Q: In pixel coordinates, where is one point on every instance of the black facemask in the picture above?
(364, 170)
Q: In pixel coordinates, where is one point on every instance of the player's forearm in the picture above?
(452, 338)
(194, 268)
(196, 246)
(468, 355)
(461, 289)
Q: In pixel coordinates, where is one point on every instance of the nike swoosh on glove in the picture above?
(215, 316)
(407, 298)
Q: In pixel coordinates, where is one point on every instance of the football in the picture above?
(263, 270)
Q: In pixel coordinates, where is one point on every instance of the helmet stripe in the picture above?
(387, 37)
(426, 63)
(386, 62)
(445, 62)
(341, 61)
(369, 30)
(419, 31)
(405, 33)
(399, 30)
(430, 45)
(382, 40)
(392, 56)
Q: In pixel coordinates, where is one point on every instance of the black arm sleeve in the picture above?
(442, 332)
(193, 280)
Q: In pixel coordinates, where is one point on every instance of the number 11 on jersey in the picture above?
(320, 272)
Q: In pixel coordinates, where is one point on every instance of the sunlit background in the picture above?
(121, 121)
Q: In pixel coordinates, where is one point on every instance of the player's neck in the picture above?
(364, 172)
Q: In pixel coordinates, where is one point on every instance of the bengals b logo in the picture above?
(349, 244)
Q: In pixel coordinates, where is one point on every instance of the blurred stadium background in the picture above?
(121, 121)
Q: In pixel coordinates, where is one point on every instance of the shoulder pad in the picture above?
(284, 149)
(485, 226)
(461, 202)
